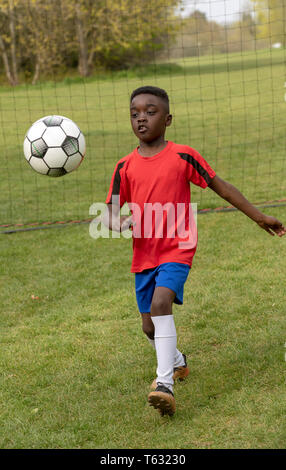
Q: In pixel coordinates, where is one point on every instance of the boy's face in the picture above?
(149, 117)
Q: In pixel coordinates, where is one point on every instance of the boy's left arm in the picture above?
(231, 194)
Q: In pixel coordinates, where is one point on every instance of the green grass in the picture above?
(76, 367)
(231, 108)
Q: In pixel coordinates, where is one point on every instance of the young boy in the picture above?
(158, 173)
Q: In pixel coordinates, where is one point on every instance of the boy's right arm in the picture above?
(114, 221)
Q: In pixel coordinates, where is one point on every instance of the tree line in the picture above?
(262, 24)
(39, 38)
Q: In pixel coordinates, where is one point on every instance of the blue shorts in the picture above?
(171, 275)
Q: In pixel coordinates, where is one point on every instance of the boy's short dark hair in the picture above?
(152, 90)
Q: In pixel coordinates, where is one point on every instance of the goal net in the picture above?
(221, 62)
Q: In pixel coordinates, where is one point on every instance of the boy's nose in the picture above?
(142, 118)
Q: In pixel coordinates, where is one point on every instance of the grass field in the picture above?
(75, 367)
(230, 108)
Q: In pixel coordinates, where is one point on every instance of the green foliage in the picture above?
(201, 36)
(271, 20)
(41, 37)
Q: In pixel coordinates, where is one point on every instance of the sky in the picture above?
(221, 11)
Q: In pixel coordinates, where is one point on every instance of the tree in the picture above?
(31, 37)
(118, 33)
(198, 36)
(240, 35)
(8, 42)
(271, 20)
(42, 37)
(45, 37)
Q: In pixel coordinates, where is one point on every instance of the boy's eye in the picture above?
(135, 115)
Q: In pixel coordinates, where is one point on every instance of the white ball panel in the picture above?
(39, 165)
(36, 130)
(55, 157)
(54, 136)
(27, 148)
(81, 144)
(73, 162)
(70, 128)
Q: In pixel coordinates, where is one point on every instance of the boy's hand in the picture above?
(125, 222)
(270, 224)
(114, 221)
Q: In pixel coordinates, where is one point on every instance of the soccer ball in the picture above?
(54, 146)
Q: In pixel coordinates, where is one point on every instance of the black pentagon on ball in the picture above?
(57, 172)
(70, 146)
(51, 121)
(39, 148)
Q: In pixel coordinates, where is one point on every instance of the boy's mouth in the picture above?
(142, 128)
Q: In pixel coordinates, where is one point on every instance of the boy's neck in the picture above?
(149, 149)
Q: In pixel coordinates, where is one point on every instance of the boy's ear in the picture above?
(169, 118)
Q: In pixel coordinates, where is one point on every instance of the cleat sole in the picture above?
(163, 402)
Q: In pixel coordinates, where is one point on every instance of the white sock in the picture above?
(179, 359)
(165, 343)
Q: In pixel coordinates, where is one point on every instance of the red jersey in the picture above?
(157, 190)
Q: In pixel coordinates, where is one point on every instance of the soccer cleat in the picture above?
(163, 400)
(180, 373)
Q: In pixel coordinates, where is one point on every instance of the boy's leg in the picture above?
(165, 343)
(161, 331)
(165, 335)
(148, 329)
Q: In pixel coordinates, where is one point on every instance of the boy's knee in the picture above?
(160, 306)
(162, 301)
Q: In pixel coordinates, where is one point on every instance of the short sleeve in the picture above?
(116, 189)
(198, 171)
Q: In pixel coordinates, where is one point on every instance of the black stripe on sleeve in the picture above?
(116, 181)
(197, 166)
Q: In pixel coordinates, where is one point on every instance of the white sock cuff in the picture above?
(164, 326)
